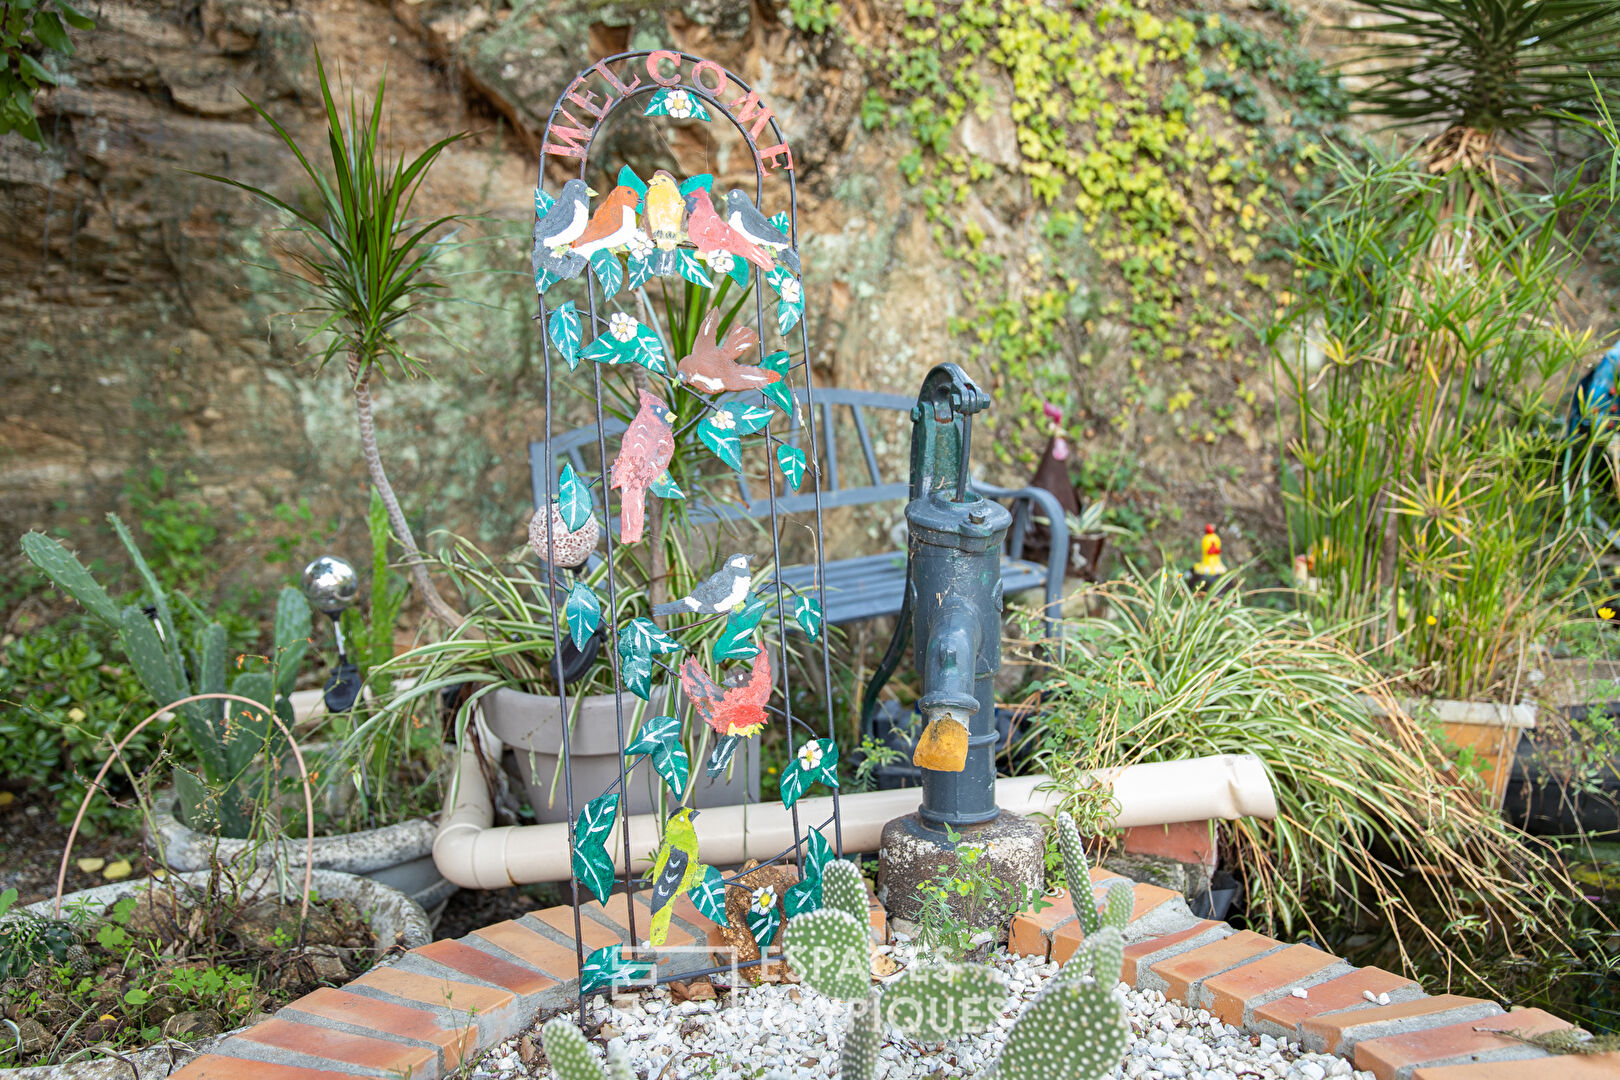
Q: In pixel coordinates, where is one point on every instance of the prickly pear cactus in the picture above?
(1100, 955)
(1074, 1029)
(1077, 872)
(831, 952)
(570, 1055)
(936, 1002)
(858, 1058)
(843, 890)
(1119, 899)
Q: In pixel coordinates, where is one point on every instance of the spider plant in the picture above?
(1373, 822)
(364, 262)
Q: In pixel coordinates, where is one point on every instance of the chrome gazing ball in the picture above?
(330, 585)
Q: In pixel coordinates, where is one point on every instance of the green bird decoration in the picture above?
(675, 870)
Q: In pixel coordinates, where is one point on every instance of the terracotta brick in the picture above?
(1099, 875)
(1333, 1028)
(1136, 950)
(1149, 897)
(558, 961)
(1567, 1067)
(1394, 1052)
(1183, 841)
(685, 909)
(384, 1016)
(431, 990)
(593, 933)
(481, 965)
(357, 1050)
(878, 918)
(615, 910)
(214, 1067)
(1031, 933)
(1232, 990)
(1181, 971)
(1345, 992)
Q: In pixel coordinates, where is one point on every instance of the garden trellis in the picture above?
(662, 228)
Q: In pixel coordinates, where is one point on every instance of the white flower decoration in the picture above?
(810, 756)
(764, 899)
(622, 326)
(723, 420)
(790, 291)
(640, 245)
(679, 104)
(720, 262)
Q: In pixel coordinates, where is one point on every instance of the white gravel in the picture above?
(795, 1030)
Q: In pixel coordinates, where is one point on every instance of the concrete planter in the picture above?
(398, 856)
(1492, 731)
(532, 727)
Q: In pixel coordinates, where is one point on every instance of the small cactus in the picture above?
(1077, 872)
(944, 1001)
(569, 1052)
(831, 952)
(1119, 900)
(1100, 955)
(858, 1057)
(842, 889)
(1075, 1029)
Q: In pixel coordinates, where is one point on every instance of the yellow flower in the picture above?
(1431, 620)
(76, 714)
(1605, 613)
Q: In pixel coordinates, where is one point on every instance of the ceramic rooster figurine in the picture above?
(644, 454)
(712, 367)
(735, 711)
(710, 233)
(1209, 567)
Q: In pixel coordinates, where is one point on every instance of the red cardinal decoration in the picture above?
(644, 454)
(737, 709)
(710, 232)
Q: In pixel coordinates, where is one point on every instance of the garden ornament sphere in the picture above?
(571, 548)
(330, 585)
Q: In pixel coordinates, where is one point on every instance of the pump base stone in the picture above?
(912, 853)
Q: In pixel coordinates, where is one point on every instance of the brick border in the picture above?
(449, 1001)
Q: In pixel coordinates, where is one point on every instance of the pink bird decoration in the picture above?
(709, 232)
(644, 454)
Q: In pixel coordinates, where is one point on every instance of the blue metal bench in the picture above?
(861, 587)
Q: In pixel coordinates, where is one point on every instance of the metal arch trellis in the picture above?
(681, 85)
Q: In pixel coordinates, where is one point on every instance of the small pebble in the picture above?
(1300, 992)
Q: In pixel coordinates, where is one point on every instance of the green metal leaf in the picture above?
(801, 897)
(583, 611)
(788, 316)
(790, 459)
(69, 574)
(780, 393)
(648, 634)
(818, 853)
(592, 864)
(542, 202)
(645, 349)
(638, 271)
(807, 610)
(606, 349)
(764, 915)
(660, 740)
(709, 896)
(543, 280)
(736, 641)
(723, 440)
(628, 178)
(701, 180)
(687, 265)
(639, 641)
(606, 967)
(665, 487)
(815, 762)
(564, 329)
(608, 272)
(573, 499)
(782, 223)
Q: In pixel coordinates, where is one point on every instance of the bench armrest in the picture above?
(1026, 500)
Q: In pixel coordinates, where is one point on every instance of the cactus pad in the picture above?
(831, 952)
(568, 1051)
(1074, 1029)
(1119, 900)
(843, 890)
(936, 1002)
(1100, 955)
(1077, 872)
(858, 1058)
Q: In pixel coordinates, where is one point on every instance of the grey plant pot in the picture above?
(399, 856)
(532, 725)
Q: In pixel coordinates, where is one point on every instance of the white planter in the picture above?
(399, 856)
(532, 726)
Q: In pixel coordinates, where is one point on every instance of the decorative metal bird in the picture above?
(735, 711)
(712, 367)
(664, 211)
(613, 224)
(709, 233)
(644, 454)
(752, 224)
(723, 590)
(675, 870)
(555, 233)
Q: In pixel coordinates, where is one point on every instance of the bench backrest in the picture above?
(832, 402)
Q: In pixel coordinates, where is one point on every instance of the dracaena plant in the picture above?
(365, 264)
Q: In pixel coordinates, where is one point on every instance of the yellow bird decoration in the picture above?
(665, 214)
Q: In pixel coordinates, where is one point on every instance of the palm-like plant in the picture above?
(365, 263)
(1487, 66)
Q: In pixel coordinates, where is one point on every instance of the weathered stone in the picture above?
(913, 854)
(189, 1026)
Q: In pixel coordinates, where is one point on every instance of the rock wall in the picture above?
(152, 323)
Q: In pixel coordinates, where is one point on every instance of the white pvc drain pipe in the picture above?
(475, 855)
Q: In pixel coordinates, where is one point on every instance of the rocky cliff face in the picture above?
(150, 326)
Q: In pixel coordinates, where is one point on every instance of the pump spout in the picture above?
(949, 701)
